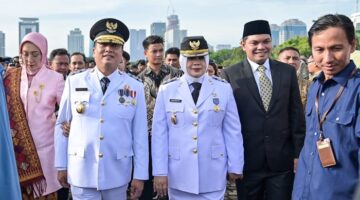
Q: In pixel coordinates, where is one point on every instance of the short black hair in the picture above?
(173, 50)
(140, 62)
(333, 20)
(58, 52)
(78, 54)
(289, 49)
(152, 39)
(126, 55)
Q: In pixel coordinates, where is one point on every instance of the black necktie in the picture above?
(195, 93)
(104, 83)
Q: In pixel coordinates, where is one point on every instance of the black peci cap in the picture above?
(256, 27)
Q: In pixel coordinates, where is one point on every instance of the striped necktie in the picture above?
(104, 83)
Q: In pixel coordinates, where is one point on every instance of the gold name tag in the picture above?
(326, 153)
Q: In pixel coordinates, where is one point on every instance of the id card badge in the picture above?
(326, 153)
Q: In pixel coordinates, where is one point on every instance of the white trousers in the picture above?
(79, 193)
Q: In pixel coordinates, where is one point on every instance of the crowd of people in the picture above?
(178, 126)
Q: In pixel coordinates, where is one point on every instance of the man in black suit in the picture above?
(271, 115)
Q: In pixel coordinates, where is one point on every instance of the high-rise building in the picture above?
(222, 46)
(91, 46)
(135, 40)
(2, 44)
(275, 34)
(27, 25)
(355, 18)
(158, 28)
(173, 34)
(291, 28)
(75, 41)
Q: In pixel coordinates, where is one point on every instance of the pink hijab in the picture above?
(40, 41)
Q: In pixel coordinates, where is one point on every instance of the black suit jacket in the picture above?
(271, 139)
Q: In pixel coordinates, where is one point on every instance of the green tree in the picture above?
(300, 43)
(357, 35)
(228, 57)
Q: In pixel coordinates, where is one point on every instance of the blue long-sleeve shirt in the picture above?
(342, 126)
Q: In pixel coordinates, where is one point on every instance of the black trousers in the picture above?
(64, 194)
(265, 185)
(148, 191)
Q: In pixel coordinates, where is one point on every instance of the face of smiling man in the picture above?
(107, 56)
(257, 47)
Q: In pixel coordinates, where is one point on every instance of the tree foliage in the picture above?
(300, 43)
(228, 57)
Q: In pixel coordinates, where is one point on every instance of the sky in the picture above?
(219, 21)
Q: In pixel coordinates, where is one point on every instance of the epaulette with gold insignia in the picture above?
(134, 77)
(77, 72)
(170, 80)
(218, 79)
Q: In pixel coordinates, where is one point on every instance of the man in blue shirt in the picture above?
(333, 100)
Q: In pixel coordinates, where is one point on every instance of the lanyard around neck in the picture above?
(322, 119)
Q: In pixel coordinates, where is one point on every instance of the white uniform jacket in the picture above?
(196, 145)
(107, 136)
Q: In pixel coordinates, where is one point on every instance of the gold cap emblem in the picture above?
(111, 27)
(194, 45)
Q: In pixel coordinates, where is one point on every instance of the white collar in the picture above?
(254, 66)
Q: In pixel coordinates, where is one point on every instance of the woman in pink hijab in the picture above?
(32, 93)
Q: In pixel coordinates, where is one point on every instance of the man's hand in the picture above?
(136, 188)
(161, 185)
(62, 178)
(233, 177)
(295, 164)
(65, 126)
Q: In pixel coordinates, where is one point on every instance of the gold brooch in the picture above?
(80, 107)
(174, 118)
(38, 94)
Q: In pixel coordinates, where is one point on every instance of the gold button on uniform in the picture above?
(101, 137)
(195, 124)
(103, 103)
(100, 155)
(195, 111)
(101, 120)
(195, 151)
(194, 137)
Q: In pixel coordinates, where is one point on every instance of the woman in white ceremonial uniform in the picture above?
(197, 138)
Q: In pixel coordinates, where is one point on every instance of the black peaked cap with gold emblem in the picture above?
(109, 30)
(193, 46)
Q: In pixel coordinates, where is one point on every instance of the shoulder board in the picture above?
(170, 80)
(219, 79)
(134, 77)
(77, 72)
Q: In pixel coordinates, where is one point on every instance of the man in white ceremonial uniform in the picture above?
(107, 112)
(196, 138)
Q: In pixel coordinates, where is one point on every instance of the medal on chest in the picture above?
(216, 102)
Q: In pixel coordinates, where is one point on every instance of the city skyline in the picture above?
(219, 22)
